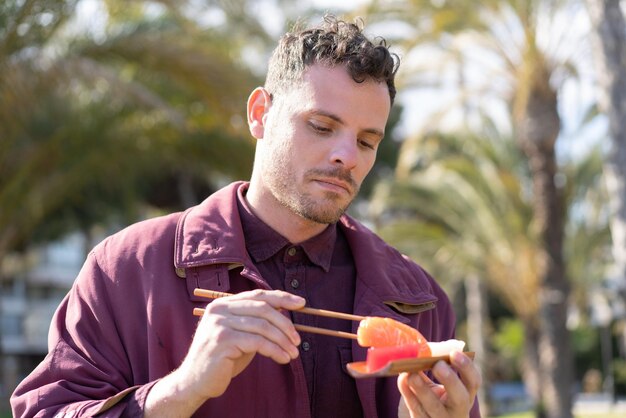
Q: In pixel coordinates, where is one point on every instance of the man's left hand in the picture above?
(453, 398)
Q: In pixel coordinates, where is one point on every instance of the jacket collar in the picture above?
(211, 233)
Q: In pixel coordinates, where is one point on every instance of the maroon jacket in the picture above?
(127, 321)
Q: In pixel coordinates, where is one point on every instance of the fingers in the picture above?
(250, 312)
(231, 332)
(411, 402)
(262, 335)
(251, 322)
(421, 400)
(461, 380)
(468, 373)
(453, 398)
(276, 298)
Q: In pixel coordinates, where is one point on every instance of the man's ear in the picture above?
(259, 104)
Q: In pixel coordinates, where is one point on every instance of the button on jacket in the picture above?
(127, 321)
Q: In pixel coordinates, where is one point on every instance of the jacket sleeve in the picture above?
(87, 370)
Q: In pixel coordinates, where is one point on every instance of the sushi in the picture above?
(390, 340)
(375, 331)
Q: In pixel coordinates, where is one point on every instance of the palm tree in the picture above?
(610, 34)
(460, 204)
(95, 121)
(147, 108)
(458, 209)
(503, 44)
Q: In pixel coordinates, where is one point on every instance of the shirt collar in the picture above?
(320, 248)
(262, 242)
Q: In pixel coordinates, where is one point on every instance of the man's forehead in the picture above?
(333, 79)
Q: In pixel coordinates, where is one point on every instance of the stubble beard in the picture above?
(325, 210)
(323, 213)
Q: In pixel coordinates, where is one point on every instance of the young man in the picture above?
(124, 341)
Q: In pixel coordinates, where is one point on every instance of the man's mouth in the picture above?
(335, 184)
(335, 180)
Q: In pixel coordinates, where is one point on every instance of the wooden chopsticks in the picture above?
(212, 294)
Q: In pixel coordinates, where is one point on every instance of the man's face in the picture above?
(320, 141)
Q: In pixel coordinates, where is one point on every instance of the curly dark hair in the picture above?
(334, 42)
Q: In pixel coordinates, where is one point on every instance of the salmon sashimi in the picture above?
(375, 331)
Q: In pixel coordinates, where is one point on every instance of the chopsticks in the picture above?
(213, 294)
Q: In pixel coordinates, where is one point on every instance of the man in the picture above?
(124, 341)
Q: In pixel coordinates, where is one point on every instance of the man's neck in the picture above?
(282, 219)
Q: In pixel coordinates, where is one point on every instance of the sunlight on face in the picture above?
(320, 142)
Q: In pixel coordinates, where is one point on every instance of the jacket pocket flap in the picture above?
(410, 308)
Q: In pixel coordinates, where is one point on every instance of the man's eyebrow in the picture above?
(337, 119)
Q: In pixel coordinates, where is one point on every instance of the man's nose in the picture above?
(345, 151)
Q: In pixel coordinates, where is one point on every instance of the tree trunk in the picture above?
(554, 348)
(531, 366)
(537, 128)
(610, 30)
(477, 329)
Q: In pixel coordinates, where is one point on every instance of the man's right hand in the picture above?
(232, 330)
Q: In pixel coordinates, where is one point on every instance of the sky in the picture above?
(570, 30)
(577, 94)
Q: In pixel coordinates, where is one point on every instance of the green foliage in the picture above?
(585, 339)
(508, 342)
(509, 339)
(587, 350)
(459, 208)
(619, 366)
(150, 112)
(30, 24)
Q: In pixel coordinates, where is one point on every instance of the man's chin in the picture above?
(323, 219)
(324, 216)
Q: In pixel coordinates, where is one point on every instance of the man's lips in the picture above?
(336, 183)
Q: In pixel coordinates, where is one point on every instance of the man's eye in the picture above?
(366, 144)
(319, 128)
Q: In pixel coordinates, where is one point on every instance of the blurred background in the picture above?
(503, 172)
